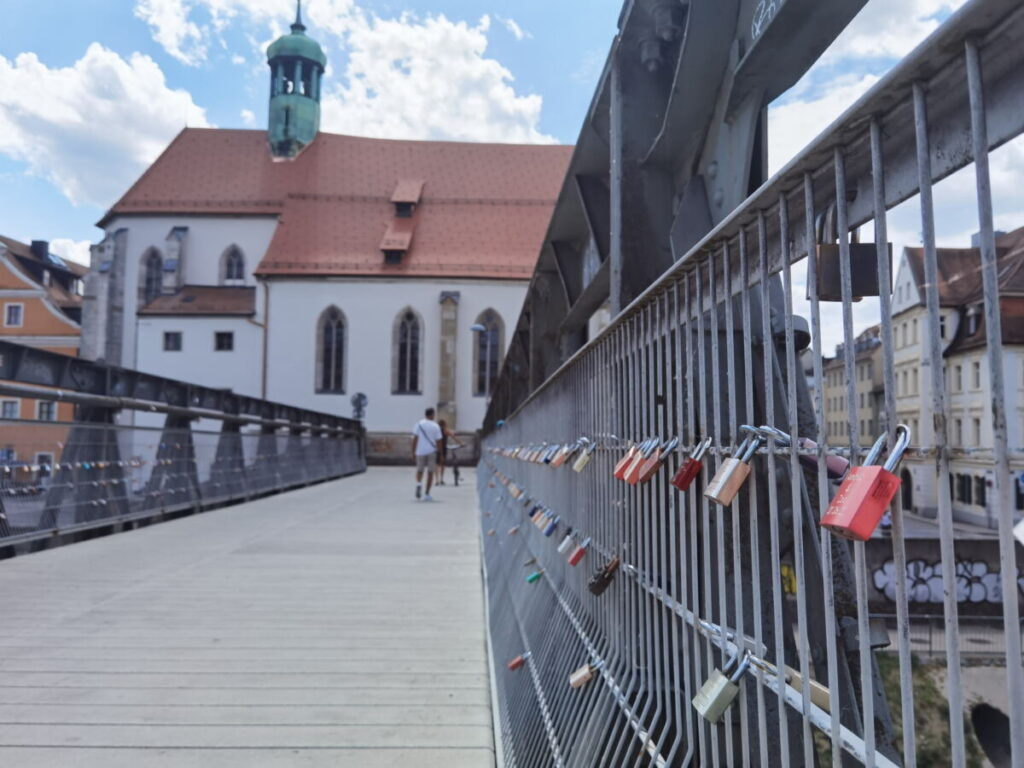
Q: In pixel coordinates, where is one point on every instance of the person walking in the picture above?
(448, 440)
(426, 438)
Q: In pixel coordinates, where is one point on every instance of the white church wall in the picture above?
(370, 306)
(198, 361)
(208, 238)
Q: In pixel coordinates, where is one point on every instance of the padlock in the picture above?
(583, 675)
(692, 466)
(518, 661)
(579, 552)
(513, 530)
(491, 532)
(632, 472)
(835, 466)
(566, 454)
(531, 561)
(619, 471)
(863, 262)
(866, 492)
(566, 542)
(535, 576)
(584, 458)
(600, 581)
(551, 526)
(651, 466)
(734, 471)
(719, 692)
(536, 510)
(549, 456)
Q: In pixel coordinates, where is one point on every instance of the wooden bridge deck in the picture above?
(336, 625)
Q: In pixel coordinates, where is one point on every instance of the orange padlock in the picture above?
(650, 467)
(866, 492)
(644, 451)
(624, 462)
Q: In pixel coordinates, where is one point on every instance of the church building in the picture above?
(308, 267)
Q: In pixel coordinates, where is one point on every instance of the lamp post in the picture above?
(480, 328)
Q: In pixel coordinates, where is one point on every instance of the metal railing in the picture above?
(713, 345)
(63, 480)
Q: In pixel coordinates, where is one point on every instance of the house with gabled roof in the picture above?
(308, 267)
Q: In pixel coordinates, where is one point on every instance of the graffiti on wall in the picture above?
(975, 583)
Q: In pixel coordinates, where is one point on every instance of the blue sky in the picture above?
(90, 92)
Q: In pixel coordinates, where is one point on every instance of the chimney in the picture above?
(40, 249)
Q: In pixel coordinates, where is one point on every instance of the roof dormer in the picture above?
(406, 197)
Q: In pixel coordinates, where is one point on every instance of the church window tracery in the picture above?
(407, 339)
(487, 352)
(330, 361)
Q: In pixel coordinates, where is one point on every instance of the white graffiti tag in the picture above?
(763, 13)
(973, 581)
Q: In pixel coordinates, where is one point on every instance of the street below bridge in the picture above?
(337, 625)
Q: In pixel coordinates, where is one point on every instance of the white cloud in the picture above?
(889, 29)
(404, 77)
(172, 28)
(90, 128)
(792, 125)
(513, 27)
(71, 250)
(248, 117)
(428, 79)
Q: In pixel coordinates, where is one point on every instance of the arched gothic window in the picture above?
(487, 349)
(330, 357)
(152, 275)
(232, 266)
(408, 336)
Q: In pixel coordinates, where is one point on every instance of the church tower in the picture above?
(296, 70)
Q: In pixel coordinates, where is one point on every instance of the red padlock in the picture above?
(518, 661)
(650, 467)
(579, 552)
(690, 468)
(866, 493)
(632, 472)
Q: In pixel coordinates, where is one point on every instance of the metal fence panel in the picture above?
(711, 346)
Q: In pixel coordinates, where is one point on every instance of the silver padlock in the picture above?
(584, 674)
(719, 692)
(734, 471)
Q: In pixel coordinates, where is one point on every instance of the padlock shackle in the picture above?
(700, 449)
(896, 455)
(777, 434)
(876, 450)
(741, 669)
(650, 446)
(669, 445)
(755, 443)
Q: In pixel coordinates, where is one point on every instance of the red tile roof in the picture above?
(483, 208)
(204, 300)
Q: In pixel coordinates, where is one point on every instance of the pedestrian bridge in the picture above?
(340, 624)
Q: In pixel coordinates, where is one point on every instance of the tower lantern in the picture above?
(296, 71)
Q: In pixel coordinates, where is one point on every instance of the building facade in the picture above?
(308, 267)
(40, 306)
(966, 376)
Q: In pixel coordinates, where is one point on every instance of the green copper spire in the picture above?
(296, 68)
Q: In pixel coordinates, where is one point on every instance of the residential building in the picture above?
(308, 267)
(867, 367)
(963, 338)
(40, 306)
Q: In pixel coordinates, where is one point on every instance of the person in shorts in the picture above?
(426, 438)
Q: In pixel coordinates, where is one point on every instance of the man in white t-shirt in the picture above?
(426, 436)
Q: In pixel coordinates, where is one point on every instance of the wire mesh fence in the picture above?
(64, 478)
(647, 609)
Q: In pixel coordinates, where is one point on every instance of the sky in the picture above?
(91, 92)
